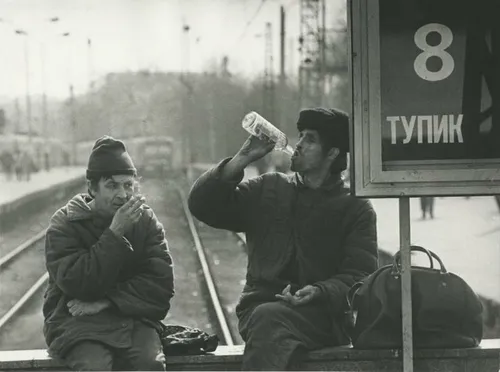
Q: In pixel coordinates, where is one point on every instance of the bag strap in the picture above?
(351, 293)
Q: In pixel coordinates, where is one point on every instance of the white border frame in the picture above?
(476, 177)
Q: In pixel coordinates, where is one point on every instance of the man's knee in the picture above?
(272, 311)
(146, 353)
(147, 360)
(269, 317)
(89, 356)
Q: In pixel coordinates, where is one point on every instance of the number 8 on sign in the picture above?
(438, 51)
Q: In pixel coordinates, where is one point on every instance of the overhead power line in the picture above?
(250, 21)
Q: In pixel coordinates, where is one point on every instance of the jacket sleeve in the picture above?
(360, 260)
(223, 204)
(85, 274)
(147, 294)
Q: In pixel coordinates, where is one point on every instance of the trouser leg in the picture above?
(277, 334)
(423, 206)
(89, 356)
(146, 352)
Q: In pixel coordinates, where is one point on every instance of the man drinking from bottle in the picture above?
(308, 240)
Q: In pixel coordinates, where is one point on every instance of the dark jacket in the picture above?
(87, 261)
(295, 235)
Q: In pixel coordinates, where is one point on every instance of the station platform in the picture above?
(13, 189)
(21, 198)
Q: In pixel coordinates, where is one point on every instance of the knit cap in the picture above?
(109, 157)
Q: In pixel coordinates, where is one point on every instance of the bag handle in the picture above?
(396, 262)
(441, 264)
(396, 265)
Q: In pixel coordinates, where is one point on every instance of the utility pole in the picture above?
(269, 86)
(90, 69)
(211, 124)
(282, 68)
(312, 52)
(44, 93)
(17, 122)
(27, 66)
(28, 96)
(268, 93)
(291, 56)
(186, 97)
(73, 123)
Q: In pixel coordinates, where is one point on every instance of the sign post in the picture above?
(404, 243)
(425, 78)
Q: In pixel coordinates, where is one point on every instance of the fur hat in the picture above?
(332, 124)
(109, 157)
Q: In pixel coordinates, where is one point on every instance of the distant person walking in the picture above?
(427, 206)
(7, 161)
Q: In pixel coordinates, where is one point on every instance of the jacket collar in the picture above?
(333, 183)
(79, 209)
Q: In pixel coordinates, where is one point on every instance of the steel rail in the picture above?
(34, 288)
(212, 289)
(26, 297)
(21, 248)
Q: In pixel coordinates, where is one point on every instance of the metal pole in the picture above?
(28, 99)
(44, 92)
(282, 45)
(186, 127)
(89, 66)
(73, 123)
(211, 122)
(323, 53)
(17, 122)
(405, 242)
(282, 68)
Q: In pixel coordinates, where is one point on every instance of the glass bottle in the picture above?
(256, 125)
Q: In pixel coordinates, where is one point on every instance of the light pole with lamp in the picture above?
(44, 84)
(27, 67)
(22, 32)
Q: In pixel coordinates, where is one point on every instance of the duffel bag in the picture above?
(446, 312)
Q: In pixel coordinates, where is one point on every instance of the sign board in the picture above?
(426, 106)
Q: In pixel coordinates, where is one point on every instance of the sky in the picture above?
(131, 35)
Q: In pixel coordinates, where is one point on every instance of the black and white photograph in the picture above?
(250, 185)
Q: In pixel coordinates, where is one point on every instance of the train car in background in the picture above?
(153, 156)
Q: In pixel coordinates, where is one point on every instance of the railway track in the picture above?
(30, 296)
(12, 266)
(215, 301)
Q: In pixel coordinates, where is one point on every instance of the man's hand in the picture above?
(254, 148)
(301, 297)
(79, 308)
(127, 215)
